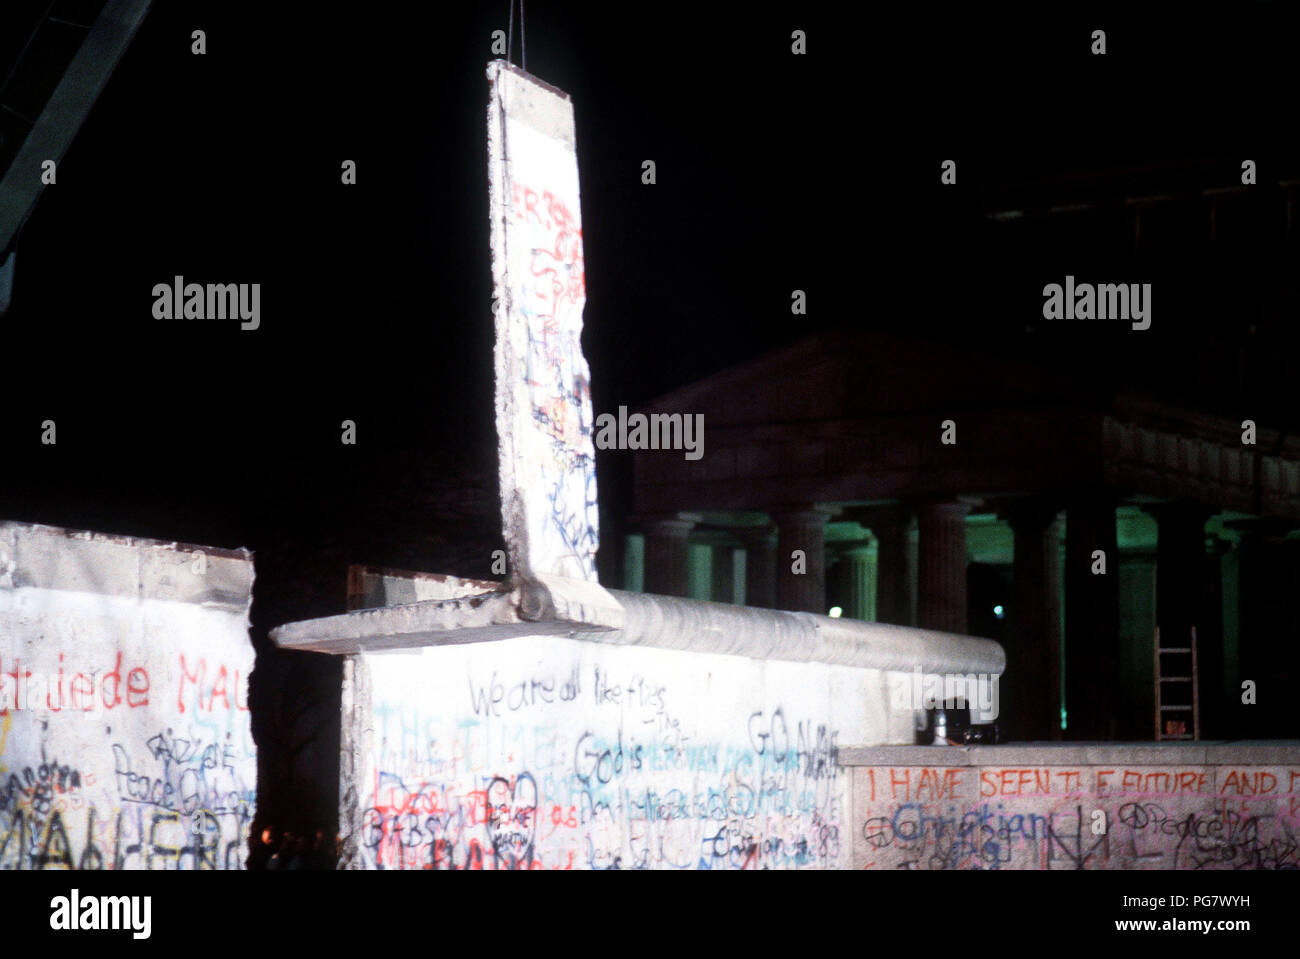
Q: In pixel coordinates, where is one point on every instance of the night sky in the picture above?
(775, 172)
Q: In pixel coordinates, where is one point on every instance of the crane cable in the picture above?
(510, 35)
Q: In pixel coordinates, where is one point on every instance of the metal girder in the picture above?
(65, 111)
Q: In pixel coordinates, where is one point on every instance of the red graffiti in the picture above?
(220, 687)
(65, 689)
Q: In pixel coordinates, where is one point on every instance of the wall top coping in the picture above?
(50, 557)
(558, 606)
(1278, 752)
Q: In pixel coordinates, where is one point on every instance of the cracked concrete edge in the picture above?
(50, 557)
(1173, 753)
(552, 605)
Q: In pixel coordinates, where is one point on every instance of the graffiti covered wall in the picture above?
(543, 388)
(1083, 816)
(124, 726)
(558, 753)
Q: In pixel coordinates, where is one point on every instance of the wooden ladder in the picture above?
(1173, 728)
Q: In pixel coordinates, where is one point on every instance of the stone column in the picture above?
(801, 529)
(894, 584)
(667, 568)
(1091, 619)
(941, 566)
(1030, 690)
(760, 566)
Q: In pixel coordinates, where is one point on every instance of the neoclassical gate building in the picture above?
(998, 505)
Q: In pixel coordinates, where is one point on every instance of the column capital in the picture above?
(714, 536)
(801, 513)
(954, 507)
(756, 535)
(1215, 546)
(1180, 510)
(880, 516)
(1262, 529)
(1093, 494)
(1031, 512)
(853, 549)
(666, 524)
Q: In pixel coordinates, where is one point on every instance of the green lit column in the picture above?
(634, 563)
(699, 576)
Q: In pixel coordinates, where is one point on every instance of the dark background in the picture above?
(775, 172)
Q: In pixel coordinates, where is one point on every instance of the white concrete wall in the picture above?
(132, 747)
(559, 753)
